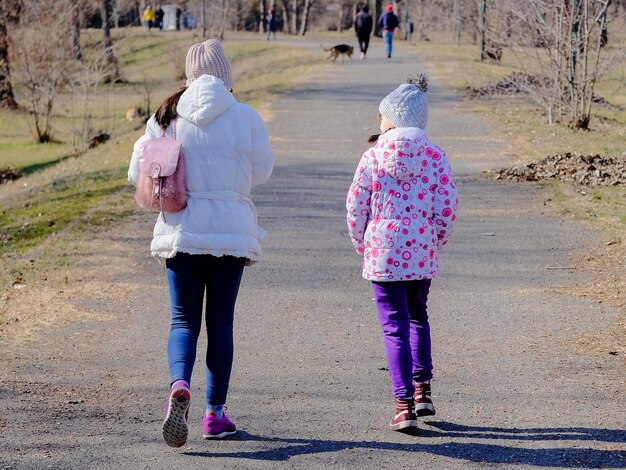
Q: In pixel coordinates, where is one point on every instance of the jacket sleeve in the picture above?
(394, 22)
(358, 204)
(262, 155)
(152, 131)
(446, 202)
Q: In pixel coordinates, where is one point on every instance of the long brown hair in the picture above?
(167, 111)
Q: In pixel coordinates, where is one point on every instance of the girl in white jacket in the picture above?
(401, 210)
(206, 245)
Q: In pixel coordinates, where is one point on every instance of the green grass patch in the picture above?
(62, 199)
(51, 208)
(28, 156)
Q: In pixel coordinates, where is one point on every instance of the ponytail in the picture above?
(373, 138)
(167, 111)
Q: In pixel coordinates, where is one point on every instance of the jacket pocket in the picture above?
(382, 234)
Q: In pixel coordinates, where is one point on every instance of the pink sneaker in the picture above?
(217, 428)
(175, 428)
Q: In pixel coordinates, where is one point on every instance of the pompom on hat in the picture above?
(208, 58)
(407, 105)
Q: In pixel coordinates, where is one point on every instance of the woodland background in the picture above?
(78, 79)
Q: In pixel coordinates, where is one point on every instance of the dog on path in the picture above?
(339, 50)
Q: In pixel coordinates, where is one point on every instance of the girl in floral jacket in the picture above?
(401, 210)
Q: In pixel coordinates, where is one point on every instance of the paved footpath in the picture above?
(309, 387)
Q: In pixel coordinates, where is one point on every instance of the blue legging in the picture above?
(189, 277)
(388, 39)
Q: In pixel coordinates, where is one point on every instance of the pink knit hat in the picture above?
(208, 58)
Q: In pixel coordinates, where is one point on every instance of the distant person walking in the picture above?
(179, 12)
(401, 211)
(206, 245)
(158, 16)
(363, 25)
(149, 17)
(388, 22)
(270, 24)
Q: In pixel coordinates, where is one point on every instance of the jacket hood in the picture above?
(204, 100)
(400, 152)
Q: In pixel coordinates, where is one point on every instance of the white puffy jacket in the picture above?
(227, 152)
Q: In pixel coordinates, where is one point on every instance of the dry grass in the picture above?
(53, 217)
(521, 122)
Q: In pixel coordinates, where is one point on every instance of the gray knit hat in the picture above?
(208, 58)
(407, 106)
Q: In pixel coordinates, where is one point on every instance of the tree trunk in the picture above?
(203, 19)
(114, 74)
(78, 54)
(457, 22)
(287, 17)
(483, 27)
(378, 10)
(263, 8)
(238, 15)
(305, 16)
(7, 99)
(224, 13)
(294, 17)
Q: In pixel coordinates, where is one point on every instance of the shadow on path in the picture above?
(566, 457)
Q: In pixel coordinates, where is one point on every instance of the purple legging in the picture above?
(402, 312)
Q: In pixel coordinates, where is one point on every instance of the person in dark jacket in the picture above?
(363, 27)
(159, 15)
(388, 22)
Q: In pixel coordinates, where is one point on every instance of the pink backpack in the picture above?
(161, 184)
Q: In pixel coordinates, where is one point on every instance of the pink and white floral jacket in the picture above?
(401, 206)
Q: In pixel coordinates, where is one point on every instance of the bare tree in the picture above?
(9, 13)
(378, 10)
(208, 14)
(287, 17)
(483, 28)
(239, 15)
(76, 9)
(295, 11)
(83, 86)
(304, 22)
(263, 7)
(225, 5)
(204, 28)
(113, 75)
(562, 41)
(43, 54)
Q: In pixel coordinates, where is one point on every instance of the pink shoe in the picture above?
(217, 428)
(362, 55)
(175, 428)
